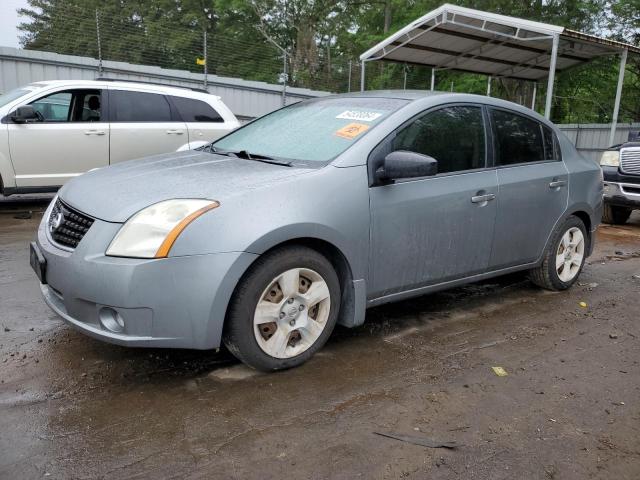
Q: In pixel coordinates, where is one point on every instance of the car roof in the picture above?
(437, 97)
(133, 85)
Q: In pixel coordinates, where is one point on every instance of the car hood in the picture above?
(115, 193)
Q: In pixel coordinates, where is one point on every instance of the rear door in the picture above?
(204, 123)
(143, 124)
(71, 137)
(533, 187)
(434, 229)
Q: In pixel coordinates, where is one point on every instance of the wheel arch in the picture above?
(582, 212)
(353, 302)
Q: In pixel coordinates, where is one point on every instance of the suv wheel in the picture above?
(283, 310)
(615, 215)
(564, 258)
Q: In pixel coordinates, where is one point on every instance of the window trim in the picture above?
(488, 151)
(494, 136)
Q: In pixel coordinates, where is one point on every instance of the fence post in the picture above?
(285, 74)
(349, 81)
(99, 43)
(204, 48)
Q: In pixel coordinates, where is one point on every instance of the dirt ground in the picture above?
(569, 408)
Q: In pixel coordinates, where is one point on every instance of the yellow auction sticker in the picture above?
(352, 130)
(501, 372)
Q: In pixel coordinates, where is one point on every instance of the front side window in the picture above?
(192, 110)
(70, 106)
(312, 131)
(518, 139)
(129, 106)
(55, 107)
(454, 136)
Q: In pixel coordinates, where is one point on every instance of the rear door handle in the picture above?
(94, 132)
(175, 132)
(483, 198)
(557, 184)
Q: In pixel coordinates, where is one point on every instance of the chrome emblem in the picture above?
(55, 222)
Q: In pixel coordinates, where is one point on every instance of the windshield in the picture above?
(13, 95)
(315, 131)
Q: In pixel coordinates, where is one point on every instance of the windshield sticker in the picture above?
(352, 130)
(360, 116)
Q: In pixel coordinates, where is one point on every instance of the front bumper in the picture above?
(176, 302)
(621, 190)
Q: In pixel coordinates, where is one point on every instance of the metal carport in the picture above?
(468, 40)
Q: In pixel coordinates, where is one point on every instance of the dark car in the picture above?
(621, 172)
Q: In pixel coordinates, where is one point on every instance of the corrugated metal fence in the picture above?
(591, 139)
(247, 99)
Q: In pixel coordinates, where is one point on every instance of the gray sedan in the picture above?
(306, 217)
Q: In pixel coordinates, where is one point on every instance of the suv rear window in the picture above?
(192, 110)
(138, 107)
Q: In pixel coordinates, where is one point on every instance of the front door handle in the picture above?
(483, 198)
(94, 132)
(557, 184)
(175, 132)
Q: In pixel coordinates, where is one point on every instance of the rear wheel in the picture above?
(615, 215)
(564, 258)
(283, 310)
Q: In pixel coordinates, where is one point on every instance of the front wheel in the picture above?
(283, 310)
(564, 257)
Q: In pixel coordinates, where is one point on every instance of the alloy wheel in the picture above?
(570, 254)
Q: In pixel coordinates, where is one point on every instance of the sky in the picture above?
(9, 21)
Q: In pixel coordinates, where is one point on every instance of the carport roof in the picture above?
(465, 39)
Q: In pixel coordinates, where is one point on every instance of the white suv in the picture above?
(53, 131)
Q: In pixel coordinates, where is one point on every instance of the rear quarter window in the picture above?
(192, 110)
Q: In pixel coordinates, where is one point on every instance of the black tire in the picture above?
(238, 334)
(546, 275)
(615, 215)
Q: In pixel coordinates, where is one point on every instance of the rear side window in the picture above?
(139, 107)
(518, 139)
(192, 110)
(454, 136)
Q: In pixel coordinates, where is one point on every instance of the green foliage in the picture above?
(323, 40)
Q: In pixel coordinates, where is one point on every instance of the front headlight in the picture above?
(610, 158)
(151, 232)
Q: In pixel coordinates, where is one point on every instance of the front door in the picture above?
(533, 184)
(434, 229)
(70, 138)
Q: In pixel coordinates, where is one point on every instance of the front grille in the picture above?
(630, 160)
(67, 226)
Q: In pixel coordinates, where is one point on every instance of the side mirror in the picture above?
(404, 164)
(25, 114)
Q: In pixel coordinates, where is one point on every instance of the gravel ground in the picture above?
(568, 408)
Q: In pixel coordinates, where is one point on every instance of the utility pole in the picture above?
(99, 43)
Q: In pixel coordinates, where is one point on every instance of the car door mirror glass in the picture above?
(25, 114)
(405, 164)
